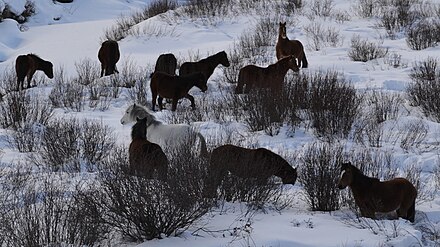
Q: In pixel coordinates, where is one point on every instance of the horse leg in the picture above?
(191, 98)
(29, 78)
(159, 100)
(174, 104)
(153, 100)
(102, 69)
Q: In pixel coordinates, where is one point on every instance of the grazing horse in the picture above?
(257, 163)
(175, 87)
(145, 157)
(372, 195)
(169, 136)
(109, 55)
(206, 66)
(270, 77)
(166, 63)
(26, 65)
(286, 47)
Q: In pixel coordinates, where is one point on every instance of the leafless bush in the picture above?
(230, 74)
(396, 15)
(143, 209)
(334, 104)
(67, 93)
(414, 132)
(425, 86)
(8, 81)
(22, 107)
(423, 34)
(322, 7)
(319, 172)
(27, 138)
(87, 71)
(364, 50)
(374, 163)
(138, 93)
(39, 211)
(69, 145)
(204, 8)
(424, 193)
(395, 60)
(123, 24)
(320, 37)
(366, 8)
(426, 70)
(383, 106)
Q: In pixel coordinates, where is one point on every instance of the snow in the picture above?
(78, 33)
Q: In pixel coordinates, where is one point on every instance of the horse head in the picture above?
(127, 118)
(224, 59)
(48, 70)
(282, 30)
(292, 64)
(346, 177)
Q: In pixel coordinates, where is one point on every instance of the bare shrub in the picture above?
(366, 8)
(87, 71)
(67, 93)
(374, 163)
(138, 93)
(70, 145)
(396, 15)
(27, 138)
(320, 37)
(319, 172)
(322, 7)
(22, 107)
(424, 93)
(123, 24)
(395, 60)
(383, 106)
(364, 50)
(414, 133)
(423, 34)
(8, 81)
(39, 211)
(334, 104)
(204, 8)
(426, 70)
(143, 209)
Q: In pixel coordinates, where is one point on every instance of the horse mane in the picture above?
(142, 112)
(139, 130)
(361, 177)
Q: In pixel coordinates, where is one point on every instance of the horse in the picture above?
(269, 77)
(109, 55)
(175, 87)
(27, 65)
(286, 47)
(206, 66)
(166, 63)
(372, 195)
(145, 157)
(169, 136)
(257, 163)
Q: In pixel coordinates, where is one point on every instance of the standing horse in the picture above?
(145, 157)
(166, 63)
(257, 163)
(27, 65)
(372, 195)
(270, 77)
(169, 136)
(206, 66)
(175, 87)
(109, 55)
(286, 47)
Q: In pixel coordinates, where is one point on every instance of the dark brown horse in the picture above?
(257, 163)
(146, 157)
(206, 66)
(269, 77)
(175, 87)
(109, 55)
(26, 65)
(166, 63)
(286, 47)
(372, 195)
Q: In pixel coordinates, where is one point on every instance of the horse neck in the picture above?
(283, 66)
(212, 62)
(39, 63)
(361, 183)
(281, 39)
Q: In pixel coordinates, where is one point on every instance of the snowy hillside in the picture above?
(404, 143)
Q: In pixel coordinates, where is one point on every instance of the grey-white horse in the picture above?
(169, 137)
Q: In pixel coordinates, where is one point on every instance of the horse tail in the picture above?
(203, 149)
(305, 64)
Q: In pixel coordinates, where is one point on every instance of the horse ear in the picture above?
(284, 23)
(345, 165)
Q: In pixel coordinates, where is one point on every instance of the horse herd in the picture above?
(152, 139)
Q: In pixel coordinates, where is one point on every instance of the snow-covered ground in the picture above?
(77, 34)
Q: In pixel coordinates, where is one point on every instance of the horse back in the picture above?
(109, 54)
(392, 194)
(288, 47)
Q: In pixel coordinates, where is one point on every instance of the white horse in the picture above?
(169, 137)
